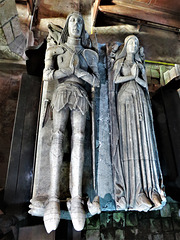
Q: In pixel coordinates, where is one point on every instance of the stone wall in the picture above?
(12, 40)
(159, 45)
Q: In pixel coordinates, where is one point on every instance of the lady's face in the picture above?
(132, 46)
(75, 26)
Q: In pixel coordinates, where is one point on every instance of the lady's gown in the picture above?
(136, 169)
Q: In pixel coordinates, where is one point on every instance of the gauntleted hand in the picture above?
(74, 62)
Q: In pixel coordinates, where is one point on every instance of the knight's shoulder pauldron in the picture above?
(90, 56)
(54, 51)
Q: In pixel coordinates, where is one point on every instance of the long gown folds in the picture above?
(138, 183)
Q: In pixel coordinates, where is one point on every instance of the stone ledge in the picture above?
(6, 53)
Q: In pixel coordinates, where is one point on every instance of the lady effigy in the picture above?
(138, 181)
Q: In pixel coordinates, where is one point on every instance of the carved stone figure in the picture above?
(138, 183)
(72, 64)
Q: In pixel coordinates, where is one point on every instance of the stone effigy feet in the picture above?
(52, 215)
(76, 209)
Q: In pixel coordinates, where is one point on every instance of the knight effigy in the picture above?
(71, 68)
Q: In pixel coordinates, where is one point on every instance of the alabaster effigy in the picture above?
(138, 182)
(119, 168)
(71, 69)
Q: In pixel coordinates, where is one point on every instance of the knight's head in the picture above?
(74, 27)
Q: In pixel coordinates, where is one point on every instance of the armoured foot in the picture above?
(77, 213)
(52, 216)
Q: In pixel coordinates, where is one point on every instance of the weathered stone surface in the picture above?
(106, 220)
(163, 69)
(133, 159)
(149, 237)
(155, 225)
(142, 216)
(176, 224)
(174, 210)
(18, 184)
(158, 237)
(167, 224)
(16, 26)
(3, 41)
(93, 223)
(9, 22)
(131, 219)
(53, 9)
(6, 222)
(18, 46)
(6, 53)
(70, 125)
(155, 76)
(35, 232)
(119, 234)
(154, 73)
(143, 225)
(9, 87)
(119, 219)
(166, 211)
(8, 33)
(92, 234)
(154, 214)
(131, 233)
(169, 236)
(104, 165)
(107, 234)
(104, 177)
(177, 235)
(172, 73)
(8, 10)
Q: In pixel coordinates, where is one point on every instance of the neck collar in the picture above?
(74, 41)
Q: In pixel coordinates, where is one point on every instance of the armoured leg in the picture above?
(52, 211)
(75, 206)
(56, 157)
(78, 122)
(56, 151)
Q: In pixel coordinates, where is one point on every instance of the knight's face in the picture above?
(132, 45)
(75, 26)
